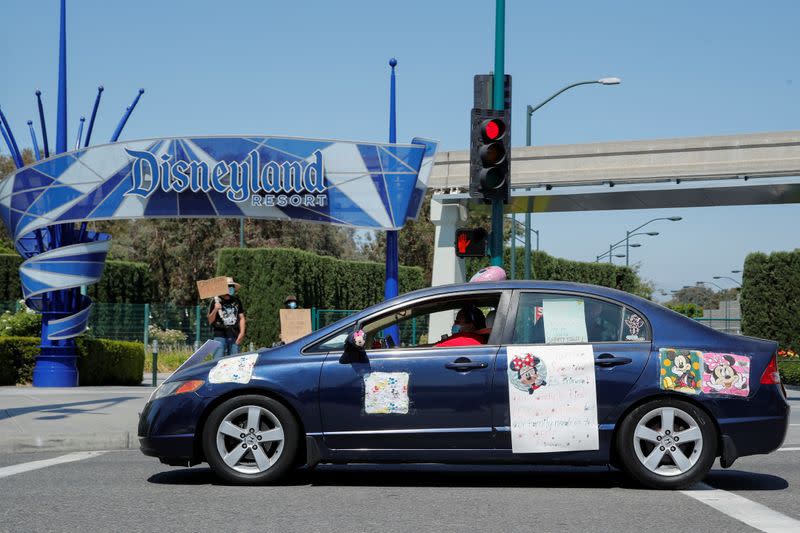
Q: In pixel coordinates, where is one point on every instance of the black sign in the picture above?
(471, 242)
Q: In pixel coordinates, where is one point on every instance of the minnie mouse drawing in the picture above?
(527, 373)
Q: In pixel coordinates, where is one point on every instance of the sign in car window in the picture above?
(564, 321)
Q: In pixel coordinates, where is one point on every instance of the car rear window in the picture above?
(544, 318)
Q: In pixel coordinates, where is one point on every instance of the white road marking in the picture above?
(788, 449)
(740, 508)
(44, 463)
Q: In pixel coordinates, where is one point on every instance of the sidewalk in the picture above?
(71, 419)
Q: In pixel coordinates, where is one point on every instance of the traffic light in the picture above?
(490, 154)
(471, 242)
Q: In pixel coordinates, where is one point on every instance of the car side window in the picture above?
(421, 324)
(634, 327)
(332, 343)
(565, 319)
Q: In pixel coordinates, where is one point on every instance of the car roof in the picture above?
(587, 288)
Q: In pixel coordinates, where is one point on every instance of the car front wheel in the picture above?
(250, 439)
(667, 444)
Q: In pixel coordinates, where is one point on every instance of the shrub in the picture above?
(268, 275)
(100, 361)
(547, 267)
(789, 371)
(17, 358)
(687, 309)
(168, 337)
(23, 323)
(770, 297)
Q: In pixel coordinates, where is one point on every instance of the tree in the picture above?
(699, 295)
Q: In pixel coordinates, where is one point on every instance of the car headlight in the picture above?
(176, 387)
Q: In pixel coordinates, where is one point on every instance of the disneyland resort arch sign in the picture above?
(355, 184)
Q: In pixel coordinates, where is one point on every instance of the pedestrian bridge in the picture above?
(747, 169)
(684, 172)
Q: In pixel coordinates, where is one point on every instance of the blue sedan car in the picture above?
(541, 373)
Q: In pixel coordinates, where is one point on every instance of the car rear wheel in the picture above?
(250, 439)
(667, 444)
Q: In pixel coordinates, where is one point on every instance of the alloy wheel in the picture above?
(250, 439)
(668, 441)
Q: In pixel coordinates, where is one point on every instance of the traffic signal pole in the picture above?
(498, 101)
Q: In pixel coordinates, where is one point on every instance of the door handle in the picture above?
(608, 360)
(463, 364)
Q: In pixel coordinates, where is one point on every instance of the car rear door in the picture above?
(619, 338)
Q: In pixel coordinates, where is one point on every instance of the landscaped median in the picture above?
(100, 361)
(789, 369)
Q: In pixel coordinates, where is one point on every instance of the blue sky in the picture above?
(319, 69)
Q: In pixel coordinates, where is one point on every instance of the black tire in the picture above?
(663, 463)
(247, 470)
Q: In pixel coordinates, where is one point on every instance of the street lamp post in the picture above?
(529, 113)
(727, 303)
(527, 248)
(726, 277)
(532, 109)
(628, 233)
(612, 247)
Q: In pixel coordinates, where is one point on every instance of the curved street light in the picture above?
(629, 233)
(614, 247)
(529, 113)
(726, 277)
(532, 109)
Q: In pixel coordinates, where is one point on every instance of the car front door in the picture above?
(414, 396)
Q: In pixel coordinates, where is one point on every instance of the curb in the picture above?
(125, 440)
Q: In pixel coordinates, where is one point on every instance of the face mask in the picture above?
(292, 305)
(455, 329)
(231, 290)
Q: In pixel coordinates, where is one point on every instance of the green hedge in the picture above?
(770, 297)
(100, 361)
(107, 362)
(17, 357)
(790, 372)
(268, 275)
(122, 281)
(547, 267)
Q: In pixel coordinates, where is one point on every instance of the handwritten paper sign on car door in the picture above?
(552, 398)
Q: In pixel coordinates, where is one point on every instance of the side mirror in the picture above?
(354, 351)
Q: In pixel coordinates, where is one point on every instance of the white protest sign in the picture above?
(552, 398)
(564, 321)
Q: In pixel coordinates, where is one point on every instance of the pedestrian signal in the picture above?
(471, 242)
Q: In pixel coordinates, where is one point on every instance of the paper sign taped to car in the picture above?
(565, 321)
(552, 398)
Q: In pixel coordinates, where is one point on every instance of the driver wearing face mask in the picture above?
(469, 320)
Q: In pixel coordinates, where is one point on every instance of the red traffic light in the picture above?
(493, 129)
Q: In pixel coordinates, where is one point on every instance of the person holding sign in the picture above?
(226, 316)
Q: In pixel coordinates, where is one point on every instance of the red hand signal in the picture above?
(463, 242)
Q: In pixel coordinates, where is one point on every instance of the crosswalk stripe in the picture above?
(740, 508)
(7, 471)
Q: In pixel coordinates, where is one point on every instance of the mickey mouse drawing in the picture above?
(683, 377)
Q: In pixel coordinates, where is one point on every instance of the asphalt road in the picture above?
(126, 491)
